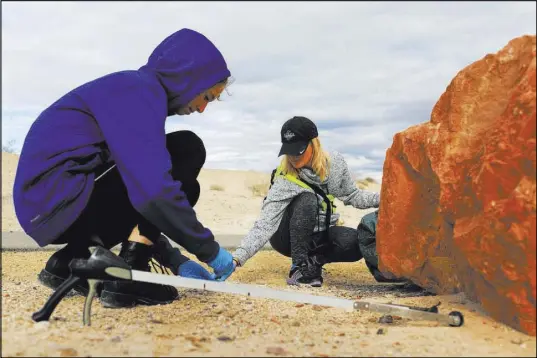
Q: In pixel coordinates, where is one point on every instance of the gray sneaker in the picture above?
(296, 278)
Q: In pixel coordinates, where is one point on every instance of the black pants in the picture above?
(295, 237)
(110, 215)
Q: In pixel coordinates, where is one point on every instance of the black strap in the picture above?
(328, 217)
(271, 180)
(272, 176)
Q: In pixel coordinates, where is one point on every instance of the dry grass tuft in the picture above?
(260, 189)
(364, 183)
(217, 187)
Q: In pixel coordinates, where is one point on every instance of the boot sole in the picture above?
(53, 281)
(121, 300)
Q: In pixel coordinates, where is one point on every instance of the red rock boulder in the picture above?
(457, 208)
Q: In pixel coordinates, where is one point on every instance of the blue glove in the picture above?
(222, 265)
(192, 269)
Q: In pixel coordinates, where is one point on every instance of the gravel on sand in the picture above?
(214, 324)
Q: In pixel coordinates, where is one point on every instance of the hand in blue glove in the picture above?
(192, 269)
(222, 265)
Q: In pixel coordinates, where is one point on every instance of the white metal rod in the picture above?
(242, 289)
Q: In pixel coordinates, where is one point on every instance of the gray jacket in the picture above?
(339, 183)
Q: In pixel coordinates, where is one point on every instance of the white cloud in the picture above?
(361, 70)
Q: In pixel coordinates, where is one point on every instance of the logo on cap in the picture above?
(288, 135)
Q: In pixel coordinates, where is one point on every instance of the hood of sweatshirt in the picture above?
(186, 63)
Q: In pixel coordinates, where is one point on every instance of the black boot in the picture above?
(117, 294)
(56, 270)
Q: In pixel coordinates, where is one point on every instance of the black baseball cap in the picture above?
(296, 134)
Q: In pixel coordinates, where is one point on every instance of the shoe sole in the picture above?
(296, 283)
(121, 300)
(53, 281)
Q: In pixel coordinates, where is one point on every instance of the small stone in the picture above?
(341, 334)
(299, 305)
(232, 314)
(68, 352)
(116, 339)
(381, 331)
(278, 351)
(224, 338)
(386, 319)
(517, 341)
(295, 324)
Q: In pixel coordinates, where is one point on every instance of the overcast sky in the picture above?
(361, 71)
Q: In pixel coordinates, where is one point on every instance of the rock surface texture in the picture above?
(457, 208)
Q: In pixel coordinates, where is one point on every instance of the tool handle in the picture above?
(86, 317)
(44, 313)
(433, 309)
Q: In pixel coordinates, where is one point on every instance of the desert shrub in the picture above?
(362, 184)
(260, 189)
(9, 147)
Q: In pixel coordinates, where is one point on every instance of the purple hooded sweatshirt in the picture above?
(118, 118)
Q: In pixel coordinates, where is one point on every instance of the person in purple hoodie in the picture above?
(97, 163)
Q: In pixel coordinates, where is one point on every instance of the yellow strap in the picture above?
(300, 183)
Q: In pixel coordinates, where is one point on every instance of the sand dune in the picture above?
(9, 168)
(227, 202)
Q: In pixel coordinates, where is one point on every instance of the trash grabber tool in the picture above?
(103, 265)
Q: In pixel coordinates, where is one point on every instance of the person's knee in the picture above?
(279, 246)
(186, 144)
(344, 237)
(192, 191)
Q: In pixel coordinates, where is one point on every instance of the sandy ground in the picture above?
(213, 324)
(9, 167)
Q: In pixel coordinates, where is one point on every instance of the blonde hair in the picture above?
(319, 161)
(227, 82)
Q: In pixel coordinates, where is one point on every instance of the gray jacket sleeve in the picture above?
(347, 191)
(278, 198)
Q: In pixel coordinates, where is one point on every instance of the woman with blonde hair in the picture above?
(298, 215)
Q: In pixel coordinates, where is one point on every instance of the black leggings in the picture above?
(295, 237)
(110, 215)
